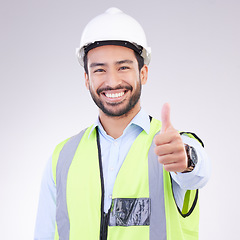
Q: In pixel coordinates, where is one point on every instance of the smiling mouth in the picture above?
(114, 95)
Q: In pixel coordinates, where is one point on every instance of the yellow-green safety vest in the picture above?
(143, 206)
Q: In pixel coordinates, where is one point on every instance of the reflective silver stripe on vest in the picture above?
(64, 161)
(156, 194)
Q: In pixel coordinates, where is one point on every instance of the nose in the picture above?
(113, 79)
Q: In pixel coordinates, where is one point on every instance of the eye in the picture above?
(123, 68)
(99, 70)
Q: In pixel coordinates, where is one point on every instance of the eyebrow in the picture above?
(97, 64)
(124, 61)
(116, 63)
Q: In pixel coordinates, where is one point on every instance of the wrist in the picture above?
(192, 158)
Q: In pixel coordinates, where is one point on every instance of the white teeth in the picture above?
(114, 95)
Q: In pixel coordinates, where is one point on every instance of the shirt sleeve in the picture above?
(45, 221)
(196, 179)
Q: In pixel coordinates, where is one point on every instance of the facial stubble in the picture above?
(134, 98)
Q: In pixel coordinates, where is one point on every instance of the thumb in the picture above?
(166, 123)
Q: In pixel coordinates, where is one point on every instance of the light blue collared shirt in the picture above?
(114, 152)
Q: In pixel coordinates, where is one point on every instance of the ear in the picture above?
(86, 80)
(144, 74)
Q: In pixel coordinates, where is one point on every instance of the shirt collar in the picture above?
(141, 119)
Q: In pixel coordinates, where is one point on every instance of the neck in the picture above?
(114, 126)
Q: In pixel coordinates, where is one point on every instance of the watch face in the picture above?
(193, 155)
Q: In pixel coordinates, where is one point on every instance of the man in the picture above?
(128, 176)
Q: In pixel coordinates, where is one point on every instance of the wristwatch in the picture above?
(192, 158)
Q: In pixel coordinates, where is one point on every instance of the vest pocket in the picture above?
(130, 212)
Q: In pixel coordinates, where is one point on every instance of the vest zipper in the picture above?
(104, 216)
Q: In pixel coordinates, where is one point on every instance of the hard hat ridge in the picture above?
(114, 27)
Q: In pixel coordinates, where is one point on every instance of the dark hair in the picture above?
(139, 58)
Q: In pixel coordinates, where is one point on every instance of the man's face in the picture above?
(114, 79)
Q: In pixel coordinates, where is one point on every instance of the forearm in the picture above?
(45, 220)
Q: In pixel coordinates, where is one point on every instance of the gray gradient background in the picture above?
(195, 67)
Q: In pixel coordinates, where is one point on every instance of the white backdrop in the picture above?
(195, 67)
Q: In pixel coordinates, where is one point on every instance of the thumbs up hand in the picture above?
(170, 148)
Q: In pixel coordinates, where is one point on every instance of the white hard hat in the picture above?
(114, 28)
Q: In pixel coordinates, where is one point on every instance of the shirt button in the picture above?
(111, 169)
(116, 144)
(110, 196)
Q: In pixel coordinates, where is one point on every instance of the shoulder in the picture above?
(60, 146)
(71, 142)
